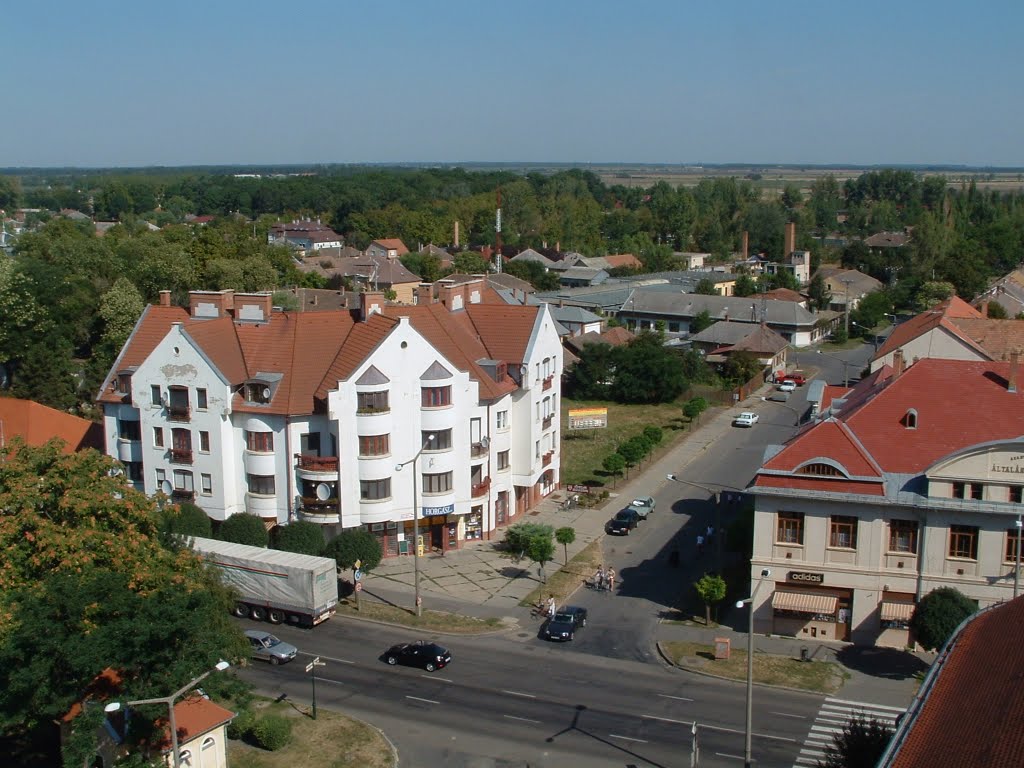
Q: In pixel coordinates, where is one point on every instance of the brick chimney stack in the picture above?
(1011, 385)
(165, 298)
(790, 245)
(746, 245)
(897, 363)
(456, 243)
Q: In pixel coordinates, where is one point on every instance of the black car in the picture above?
(428, 656)
(566, 623)
(619, 527)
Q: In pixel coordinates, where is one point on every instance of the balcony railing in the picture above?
(176, 412)
(180, 494)
(316, 463)
(181, 455)
(546, 459)
(547, 422)
(548, 382)
(315, 506)
(479, 489)
(476, 450)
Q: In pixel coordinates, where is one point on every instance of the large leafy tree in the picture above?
(647, 372)
(938, 615)
(354, 544)
(244, 529)
(302, 536)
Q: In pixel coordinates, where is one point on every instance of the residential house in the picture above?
(304, 235)
(696, 261)
(687, 281)
(531, 255)
(722, 339)
(37, 424)
(576, 320)
(288, 415)
(882, 242)
(784, 294)
(848, 287)
(369, 271)
(909, 485)
(392, 248)
(1007, 292)
(614, 261)
(613, 337)
(577, 277)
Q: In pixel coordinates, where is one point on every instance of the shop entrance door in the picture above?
(437, 537)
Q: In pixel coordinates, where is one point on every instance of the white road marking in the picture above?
(625, 738)
(737, 730)
(731, 757)
(326, 658)
(668, 720)
(435, 677)
(677, 698)
(517, 693)
(428, 701)
(787, 714)
(522, 719)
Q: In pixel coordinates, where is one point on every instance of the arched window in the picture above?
(910, 419)
(208, 742)
(185, 757)
(819, 469)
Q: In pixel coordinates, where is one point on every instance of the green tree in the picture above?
(120, 309)
(631, 451)
(745, 286)
(706, 287)
(614, 463)
(646, 372)
(301, 536)
(938, 615)
(653, 435)
(590, 378)
(518, 536)
(187, 519)
(701, 321)
(742, 366)
(996, 311)
(818, 293)
(860, 744)
(565, 536)
(711, 590)
(354, 544)
(46, 375)
(932, 293)
(244, 528)
(471, 263)
(541, 550)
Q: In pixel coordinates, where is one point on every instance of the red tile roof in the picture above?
(942, 314)
(970, 709)
(869, 437)
(36, 424)
(193, 717)
(393, 244)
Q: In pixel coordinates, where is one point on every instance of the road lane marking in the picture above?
(668, 720)
(428, 701)
(677, 698)
(731, 757)
(522, 719)
(787, 714)
(328, 658)
(739, 730)
(517, 693)
(435, 677)
(625, 738)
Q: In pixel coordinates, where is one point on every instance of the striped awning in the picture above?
(897, 611)
(804, 602)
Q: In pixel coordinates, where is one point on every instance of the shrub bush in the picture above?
(272, 732)
(241, 726)
(244, 529)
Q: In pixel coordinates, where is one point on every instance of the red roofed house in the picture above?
(912, 485)
(391, 248)
(304, 415)
(970, 706)
(36, 424)
(933, 333)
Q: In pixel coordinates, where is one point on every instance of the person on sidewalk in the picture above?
(611, 579)
(700, 544)
(599, 578)
(551, 606)
(709, 532)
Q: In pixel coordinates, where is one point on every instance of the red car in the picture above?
(796, 378)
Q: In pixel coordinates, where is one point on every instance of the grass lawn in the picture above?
(584, 450)
(564, 582)
(817, 676)
(330, 741)
(430, 620)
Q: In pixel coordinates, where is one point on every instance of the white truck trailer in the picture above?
(272, 585)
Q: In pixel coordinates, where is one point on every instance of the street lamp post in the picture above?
(749, 732)
(114, 706)
(416, 520)
(715, 501)
(846, 366)
(1016, 569)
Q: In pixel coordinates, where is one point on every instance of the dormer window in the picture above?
(910, 419)
(257, 392)
(124, 383)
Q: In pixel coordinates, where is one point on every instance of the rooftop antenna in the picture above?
(497, 236)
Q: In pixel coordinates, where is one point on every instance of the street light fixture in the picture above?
(846, 366)
(416, 520)
(747, 760)
(115, 706)
(715, 498)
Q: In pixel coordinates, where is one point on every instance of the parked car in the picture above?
(796, 378)
(629, 513)
(642, 502)
(787, 385)
(269, 648)
(619, 527)
(779, 397)
(566, 622)
(745, 419)
(428, 656)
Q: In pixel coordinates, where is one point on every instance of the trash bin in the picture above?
(722, 647)
(805, 655)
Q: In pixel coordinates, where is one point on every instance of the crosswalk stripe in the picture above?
(832, 717)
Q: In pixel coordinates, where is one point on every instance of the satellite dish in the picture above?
(485, 442)
(115, 472)
(266, 393)
(166, 487)
(323, 491)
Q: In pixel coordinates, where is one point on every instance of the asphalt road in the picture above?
(602, 700)
(513, 701)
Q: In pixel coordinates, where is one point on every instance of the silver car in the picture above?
(269, 648)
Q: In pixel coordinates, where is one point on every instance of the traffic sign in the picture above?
(358, 564)
(359, 586)
(315, 663)
(358, 575)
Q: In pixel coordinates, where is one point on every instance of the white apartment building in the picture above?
(241, 409)
(914, 483)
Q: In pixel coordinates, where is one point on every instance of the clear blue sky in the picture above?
(664, 81)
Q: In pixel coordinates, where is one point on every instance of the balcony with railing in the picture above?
(179, 412)
(548, 383)
(183, 494)
(181, 456)
(481, 488)
(547, 422)
(316, 464)
(476, 450)
(546, 459)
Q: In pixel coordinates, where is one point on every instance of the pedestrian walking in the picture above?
(551, 606)
(599, 578)
(709, 532)
(700, 544)
(611, 579)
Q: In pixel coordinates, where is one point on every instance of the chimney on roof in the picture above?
(558, 245)
(456, 242)
(984, 308)
(746, 245)
(370, 303)
(790, 238)
(1011, 385)
(897, 363)
(165, 298)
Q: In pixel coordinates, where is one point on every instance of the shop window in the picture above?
(374, 490)
(503, 462)
(259, 442)
(963, 541)
(790, 528)
(442, 440)
(260, 485)
(843, 532)
(372, 402)
(903, 536)
(436, 397)
(440, 482)
(474, 524)
(374, 445)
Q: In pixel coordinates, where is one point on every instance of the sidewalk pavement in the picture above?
(480, 580)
